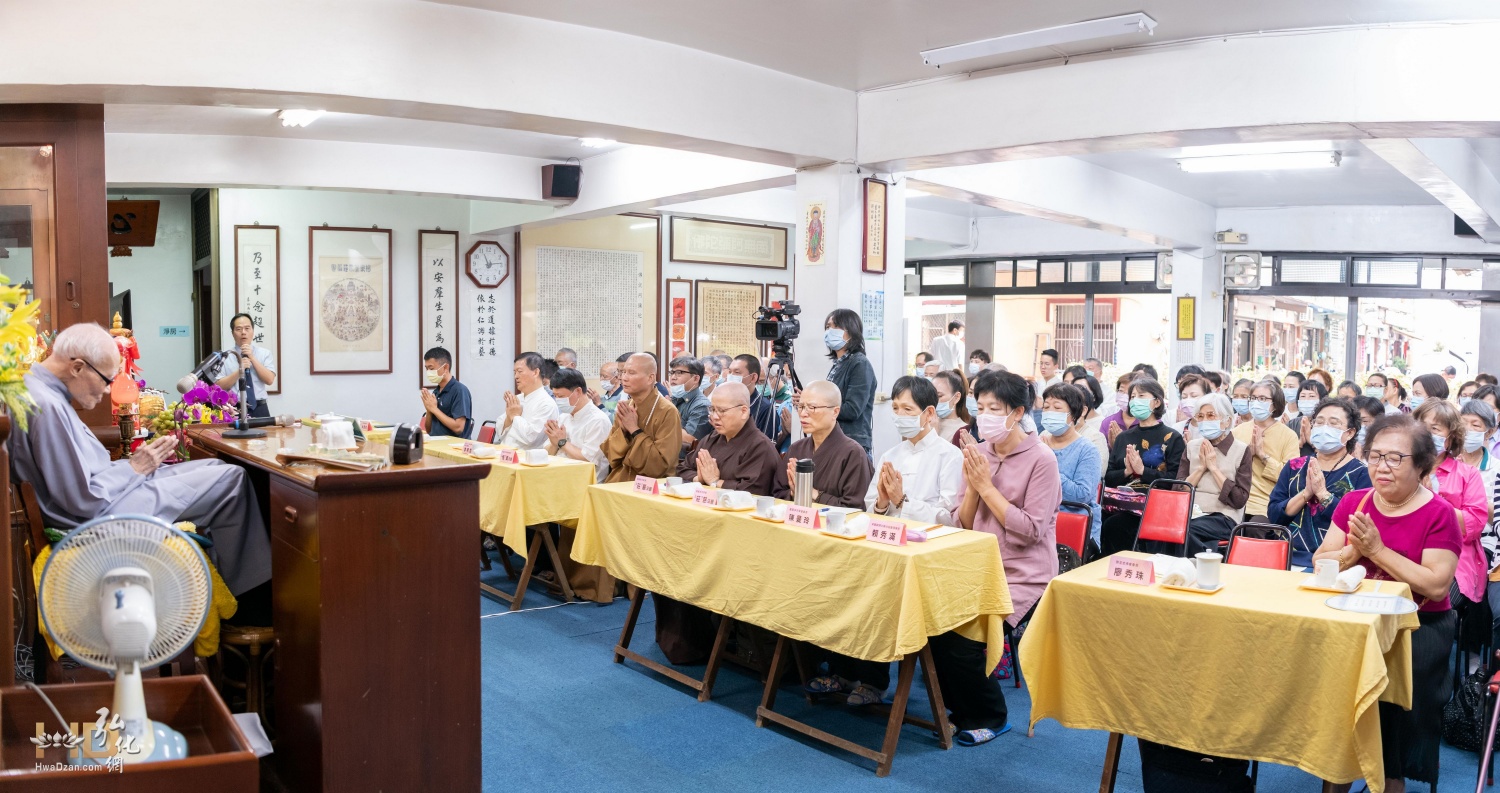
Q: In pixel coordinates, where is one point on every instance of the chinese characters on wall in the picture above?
(439, 274)
(257, 288)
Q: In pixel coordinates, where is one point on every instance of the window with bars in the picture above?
(1069, 320)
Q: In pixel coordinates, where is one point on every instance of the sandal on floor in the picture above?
(979, 736)
(827, 684)
(863, 695)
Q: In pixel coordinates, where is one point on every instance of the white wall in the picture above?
(1351, 229)
(160, 280)
(390, 397)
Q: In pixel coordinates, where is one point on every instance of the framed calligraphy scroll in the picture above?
(438, 272)
(257, 285)
(679, 317)
(873, 258)
(723, 242)
(725, 316)
(349, 305)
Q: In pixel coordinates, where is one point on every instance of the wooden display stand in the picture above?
(219, 756)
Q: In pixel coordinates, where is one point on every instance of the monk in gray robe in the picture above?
(76, 482)
(841, 468)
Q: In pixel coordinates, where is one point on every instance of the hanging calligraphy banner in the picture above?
(349, 286)
(438, 310)
(257, 285)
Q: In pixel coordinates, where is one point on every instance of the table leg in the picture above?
(935, 697)
(898, 714)
(803, 673)
(1329, 787)
(510, 570)
(715, 658)
(531, 556)
(484, 556)
(768, 697)
(637, 599)
(557, 565)
(1111, 763)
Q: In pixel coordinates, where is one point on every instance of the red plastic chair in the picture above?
(1273, 552)
(1073, 527)
(487, 432)
(1169, 507)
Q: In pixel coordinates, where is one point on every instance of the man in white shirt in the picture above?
(524, 423)
(581, 429)
(261, 361)
(948, 349)
(918, 478)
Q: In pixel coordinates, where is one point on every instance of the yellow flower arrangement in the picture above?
(18, 349)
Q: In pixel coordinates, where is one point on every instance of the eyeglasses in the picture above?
(683, 372)
(713, 411)
(806, 408)
(1334, 423)
(1392, 460)
(108, 381)
(1264, 399)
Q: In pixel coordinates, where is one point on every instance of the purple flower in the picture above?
(1297, 463)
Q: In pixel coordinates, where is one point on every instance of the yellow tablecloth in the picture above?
(856, 597)
(1261, 670)
(513, 497)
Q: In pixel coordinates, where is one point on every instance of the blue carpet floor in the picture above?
(559, 716)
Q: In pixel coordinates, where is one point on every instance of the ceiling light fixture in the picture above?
(299, 118)
(1282, 161)
(917, 193)
(595, 143)
(1122, 25)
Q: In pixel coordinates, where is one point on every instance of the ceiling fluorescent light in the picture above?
(1270, 147)
(595, 143)
(1124, 24)
(299, 118)
(917, 193)
(1285, 161)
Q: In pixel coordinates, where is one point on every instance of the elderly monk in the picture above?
(729, 457)
(841, 469)
(76, 482)
(644, 441)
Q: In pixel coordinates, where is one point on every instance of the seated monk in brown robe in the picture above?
(841, 468)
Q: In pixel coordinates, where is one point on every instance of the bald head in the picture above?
(638, 374)
(84, 357)
(827, 393)
(819, 409)
(730, 409)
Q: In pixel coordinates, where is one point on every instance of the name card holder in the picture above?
(1131, 571)
(805, 517)
(510, 456)
(366, 425)
(467, 448)
(890, 532)
(647, 486)
(704, 497)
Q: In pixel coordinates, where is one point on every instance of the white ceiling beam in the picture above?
(925, 225)
(1452, 172)
(1077, 193)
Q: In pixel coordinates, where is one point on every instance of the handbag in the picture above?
(1463, 716)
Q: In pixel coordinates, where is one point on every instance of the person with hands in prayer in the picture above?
(729, 457)
(526, 416)
(842, 470)
(581, 428)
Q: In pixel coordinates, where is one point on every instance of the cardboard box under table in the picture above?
(856, 597)
(1260, 670)
(515, 496)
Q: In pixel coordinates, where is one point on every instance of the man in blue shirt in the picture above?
(746, 369)
(449, 407)
(686, 377)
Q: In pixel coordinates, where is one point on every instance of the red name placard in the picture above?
(510, 456)
(890, 532)
(467, 448)
(704, 497)
(1132, 571)
(646, 485)
(806, 517)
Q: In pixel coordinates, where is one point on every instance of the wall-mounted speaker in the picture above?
(561, 182)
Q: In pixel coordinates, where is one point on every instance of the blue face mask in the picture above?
(1440, 443)
(1241, 406)
(944, 410)
(971, 404)
(1054, 422)
(1210, 429)
(1290, 394)
(1462, 401)
(1260, 411)
(1417, 401)
(1473, 439)
(1359, 439)
(834, 339)
(1326, 440)
(677, 391)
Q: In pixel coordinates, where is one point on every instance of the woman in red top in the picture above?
(1401, 531)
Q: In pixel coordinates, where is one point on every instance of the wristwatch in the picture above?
(561, 444)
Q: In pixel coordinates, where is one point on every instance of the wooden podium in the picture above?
(377, 629)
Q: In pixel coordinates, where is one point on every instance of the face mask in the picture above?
(909, 426)
(971, 404)
(993, 428)
(833, 338)
(1374, 391)
(763, 389)
(1359, 439)
(1307, 406)
(973, 368)
(733, 378)
(1054, 422)
(1188, 406)
(1210, 429)
(1417, 401)
(1260, 411)
(1473, 439)
(1440, 442)
(1391, 410)
(676, 391)
(1122, 400)
(1290, 394)
(1241, 406)
(944, 410)
(565, 407)
(1464, 401)
(1140, 409)
(1327, 440)
(434, 377)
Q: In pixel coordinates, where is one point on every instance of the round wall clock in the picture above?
(487, 264)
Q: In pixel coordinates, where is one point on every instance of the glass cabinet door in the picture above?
(27, 227)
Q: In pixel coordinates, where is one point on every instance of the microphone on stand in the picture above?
(209, 364)
(283, 420)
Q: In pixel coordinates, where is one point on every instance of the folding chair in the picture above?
(1169, 507)
(1273, 552)
(487, 432)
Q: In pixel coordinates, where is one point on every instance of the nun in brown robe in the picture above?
(841, 468)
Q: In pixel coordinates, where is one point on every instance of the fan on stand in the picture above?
(122, 594)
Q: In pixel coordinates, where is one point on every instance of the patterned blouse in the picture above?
(1310, 523)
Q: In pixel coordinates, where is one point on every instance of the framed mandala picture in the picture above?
(349, 305)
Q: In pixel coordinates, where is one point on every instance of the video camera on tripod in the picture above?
(779, 325)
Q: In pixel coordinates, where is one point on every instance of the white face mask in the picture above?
(909, 426)
(734, 378)
(564, 407)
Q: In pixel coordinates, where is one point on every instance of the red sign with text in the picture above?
(704, 497)
(890, 532)
(645, 485)
(806, 517)
(510, 456)
(1132, 571)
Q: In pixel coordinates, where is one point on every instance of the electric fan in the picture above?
(121, 594)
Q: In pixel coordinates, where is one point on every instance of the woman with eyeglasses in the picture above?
(1310, 487)
(1401, 531)
(1271, 444)
(1462, 487)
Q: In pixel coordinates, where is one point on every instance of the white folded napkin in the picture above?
(1349, 580)
(859, 524)
(684, 490)
(1174, 570)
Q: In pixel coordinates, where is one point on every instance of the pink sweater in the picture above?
(1462, 486)
(1029, 480)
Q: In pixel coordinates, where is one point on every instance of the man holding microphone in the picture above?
(260, 360)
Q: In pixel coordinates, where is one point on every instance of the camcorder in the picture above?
(779, 325)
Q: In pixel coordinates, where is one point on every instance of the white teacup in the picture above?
(835, 521)
(673, 481)
(764, 506)
(1208, 569)
(1326, 573)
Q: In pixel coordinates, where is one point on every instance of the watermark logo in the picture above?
(94, 746)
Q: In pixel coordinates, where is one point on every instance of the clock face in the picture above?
(488, 264)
